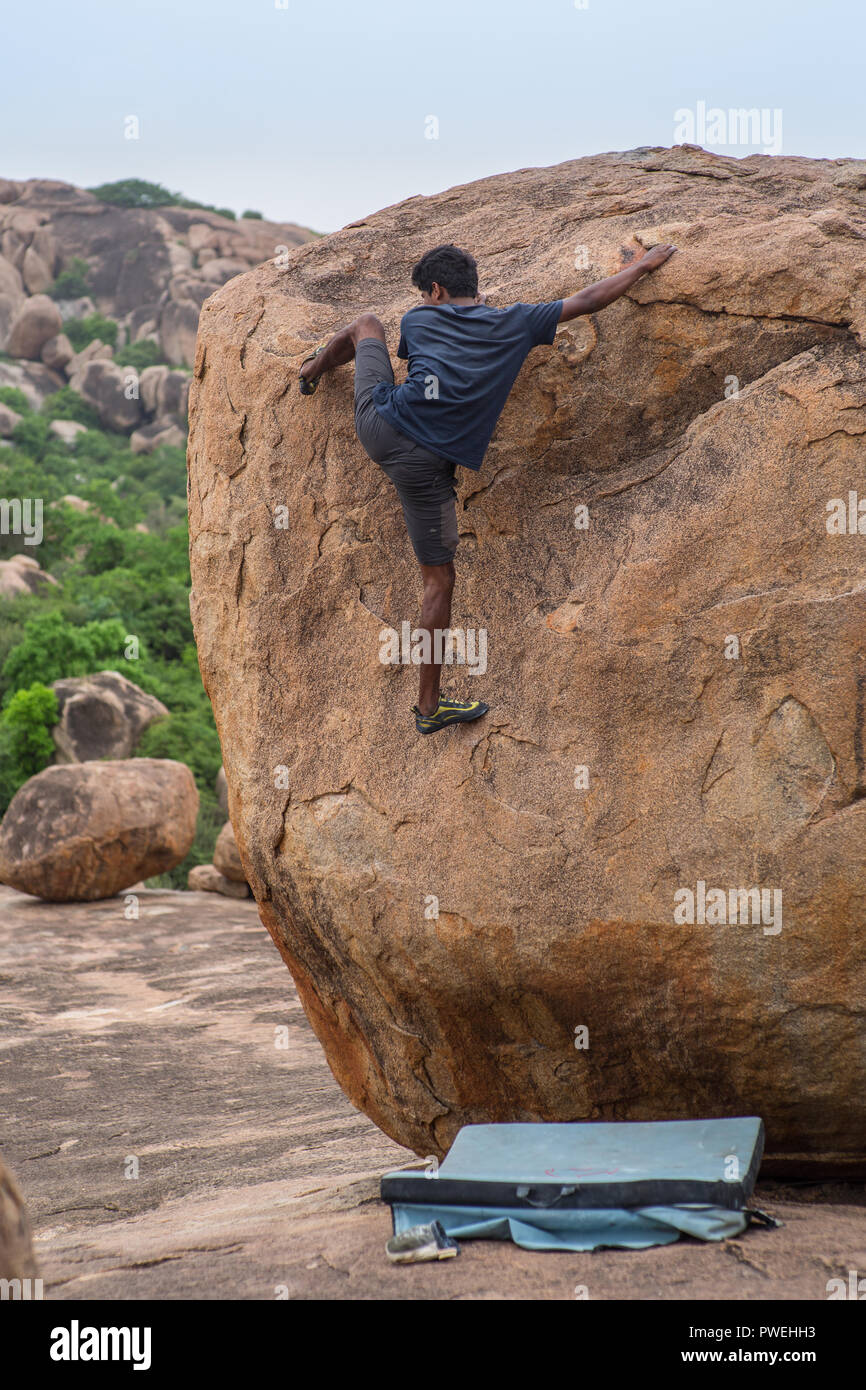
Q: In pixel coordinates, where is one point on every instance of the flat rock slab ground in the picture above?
(156, 1040)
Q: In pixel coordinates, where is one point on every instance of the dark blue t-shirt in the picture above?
(463, 361)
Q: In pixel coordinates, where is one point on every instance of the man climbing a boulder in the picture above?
(464, 357)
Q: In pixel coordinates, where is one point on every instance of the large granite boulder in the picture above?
(101, 716)
(530, 917)
(17, 1260)
(89, 830)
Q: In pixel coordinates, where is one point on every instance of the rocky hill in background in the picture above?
(67, 257)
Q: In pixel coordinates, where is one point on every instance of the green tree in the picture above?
(26, 746)
(33, 436)
(134, 193)
(188, 738)
(52, 648)
(138, 193)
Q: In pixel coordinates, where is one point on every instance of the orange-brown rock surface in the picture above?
(489, 924)
(83, 831)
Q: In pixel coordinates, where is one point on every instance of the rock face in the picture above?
(101, 716)
(492, 924)
(17, 1260)
(82, 832)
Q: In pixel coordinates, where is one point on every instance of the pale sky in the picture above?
(318, 113)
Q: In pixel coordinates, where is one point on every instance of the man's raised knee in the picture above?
(367, 326)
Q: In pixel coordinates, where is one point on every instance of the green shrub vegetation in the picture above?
(138, 193)
(80, 332)
(14, 398)
(144, 353)
(73, 281)
(121, 601)
(66, 404)
(26, 745)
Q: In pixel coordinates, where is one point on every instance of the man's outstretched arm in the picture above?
(604, 292)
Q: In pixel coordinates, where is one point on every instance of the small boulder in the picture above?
(226, 857)
(67, 430)
(177, 331)
(36, 321)
(9, 418)
(150, 437)
(80, 308)
(44, 243)
(23, 575)
(10, 281)
(148, 386)
(35, 273)
(101, 716)
(96, 351)
(200, 235)
(104, 386)
(57, 352)
(77, 504)
(206, 878)
(222, 269)
(87, 831)
(172, 397)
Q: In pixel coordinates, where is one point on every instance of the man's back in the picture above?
(463, 361)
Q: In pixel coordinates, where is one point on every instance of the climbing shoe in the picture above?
(421, 1243)
(308, 388)
(449, 712)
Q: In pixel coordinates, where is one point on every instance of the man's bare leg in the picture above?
(341, 348)
(435, 614)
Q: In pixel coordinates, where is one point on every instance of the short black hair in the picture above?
(453, 269)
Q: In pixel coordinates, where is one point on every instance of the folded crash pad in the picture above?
(579, 1186)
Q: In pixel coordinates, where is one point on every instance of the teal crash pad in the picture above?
(581, 1186)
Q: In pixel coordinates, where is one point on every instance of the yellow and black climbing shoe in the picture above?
(449, 712)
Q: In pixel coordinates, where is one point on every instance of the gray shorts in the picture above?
(424, 481)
